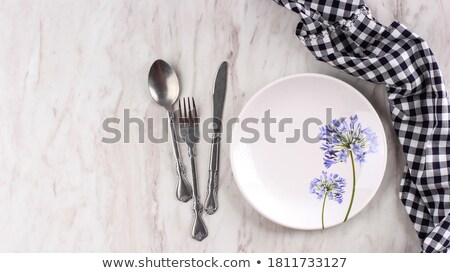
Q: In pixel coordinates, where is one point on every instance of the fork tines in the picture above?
(188, 111)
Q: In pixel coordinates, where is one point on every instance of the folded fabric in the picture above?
(345, 35)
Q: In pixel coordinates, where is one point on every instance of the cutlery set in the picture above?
(164, 89)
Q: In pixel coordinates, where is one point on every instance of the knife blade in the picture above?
(220, 87)
(219, 92)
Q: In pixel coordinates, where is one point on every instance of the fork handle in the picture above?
(184, 190)
(211, 202)
(199, 230)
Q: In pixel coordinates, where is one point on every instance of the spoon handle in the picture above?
(184, 189)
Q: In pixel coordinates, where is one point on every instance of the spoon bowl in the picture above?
(163, 84)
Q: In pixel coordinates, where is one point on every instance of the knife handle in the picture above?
(211, 202)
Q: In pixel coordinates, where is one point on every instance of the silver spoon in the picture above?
(164, 89)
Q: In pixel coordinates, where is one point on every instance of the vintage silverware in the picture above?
(189, 130)
(220, 87)
(164, 89)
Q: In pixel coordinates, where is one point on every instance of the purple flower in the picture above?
(340, 138)
(330, 185)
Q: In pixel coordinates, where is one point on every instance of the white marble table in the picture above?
(66, 66)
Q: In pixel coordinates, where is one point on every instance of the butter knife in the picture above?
(220, 87)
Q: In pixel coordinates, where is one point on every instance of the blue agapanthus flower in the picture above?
(331, 185)
(340, 138)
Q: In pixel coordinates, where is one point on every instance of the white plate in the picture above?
(275, 177)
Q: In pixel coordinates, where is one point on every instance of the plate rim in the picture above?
(301, 75)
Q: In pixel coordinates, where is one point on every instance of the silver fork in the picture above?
(189, 130)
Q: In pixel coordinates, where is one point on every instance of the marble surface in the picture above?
(65, 66)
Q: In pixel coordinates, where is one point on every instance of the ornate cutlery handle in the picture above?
(211, 202)
(184, 189)
(199, 230)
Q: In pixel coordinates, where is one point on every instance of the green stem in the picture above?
(354, 186)
(323, 209)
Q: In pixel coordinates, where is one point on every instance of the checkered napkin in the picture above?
(345, 35)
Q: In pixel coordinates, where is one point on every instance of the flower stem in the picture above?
(354, 186)
(323, 210)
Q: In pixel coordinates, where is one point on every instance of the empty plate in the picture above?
(309, 151)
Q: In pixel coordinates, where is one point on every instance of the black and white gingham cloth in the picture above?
(345, 35)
